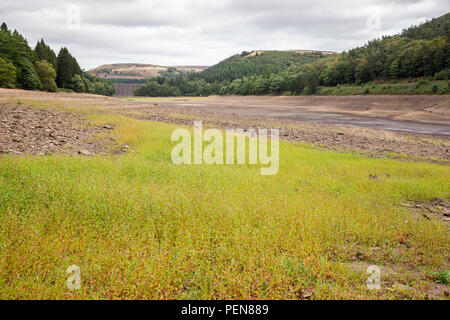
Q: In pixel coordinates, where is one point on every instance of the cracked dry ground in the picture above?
(37, 131)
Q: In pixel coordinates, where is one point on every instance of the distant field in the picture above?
(140, 227)
(137, 71)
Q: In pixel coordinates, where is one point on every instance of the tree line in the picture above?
(41, 69)
(418, 52)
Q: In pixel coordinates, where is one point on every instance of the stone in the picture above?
(84, 152)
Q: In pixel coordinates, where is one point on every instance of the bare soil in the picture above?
(38, 131)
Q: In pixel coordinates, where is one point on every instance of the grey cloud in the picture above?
(204, 32)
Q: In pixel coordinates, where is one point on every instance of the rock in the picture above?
(108, 127)
(84, 152)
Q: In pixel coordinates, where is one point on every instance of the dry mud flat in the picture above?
(433, 109)
(220, 112)
(40, 132)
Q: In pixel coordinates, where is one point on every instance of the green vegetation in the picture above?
(418, 87)
(47, 75)
(44, 52)
(157, 87)
(126, 80)
(257, 63)
(444, 277)
(434, 28)
(67, 69)
(140, 227)
(7, 74)
(22, 67)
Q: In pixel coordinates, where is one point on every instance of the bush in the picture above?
(442, 75)
(7, 74)
(47, 75)
(422, 83)
(27, 78)
(77, 84)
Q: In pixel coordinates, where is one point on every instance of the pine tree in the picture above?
(27, 77)
(44, 52)
(67, 68)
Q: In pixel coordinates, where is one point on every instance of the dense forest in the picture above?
(41, 69)
(256, 63)
(417, 52)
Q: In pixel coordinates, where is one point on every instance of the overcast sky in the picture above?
(203, 32)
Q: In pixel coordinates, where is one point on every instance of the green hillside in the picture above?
(257, 63)
(437, 27)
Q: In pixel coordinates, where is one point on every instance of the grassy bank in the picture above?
(419, 87)
(140, 227)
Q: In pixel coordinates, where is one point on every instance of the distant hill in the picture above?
(258, 62)
(140, 71)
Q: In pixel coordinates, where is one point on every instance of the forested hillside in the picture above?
(437, 27)
(418, 52)
(40, 69)
(256, 63)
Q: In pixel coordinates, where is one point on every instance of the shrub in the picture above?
(7, 74)
(47, 75)
(27, 78)
(442, 75)
(77, 84)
